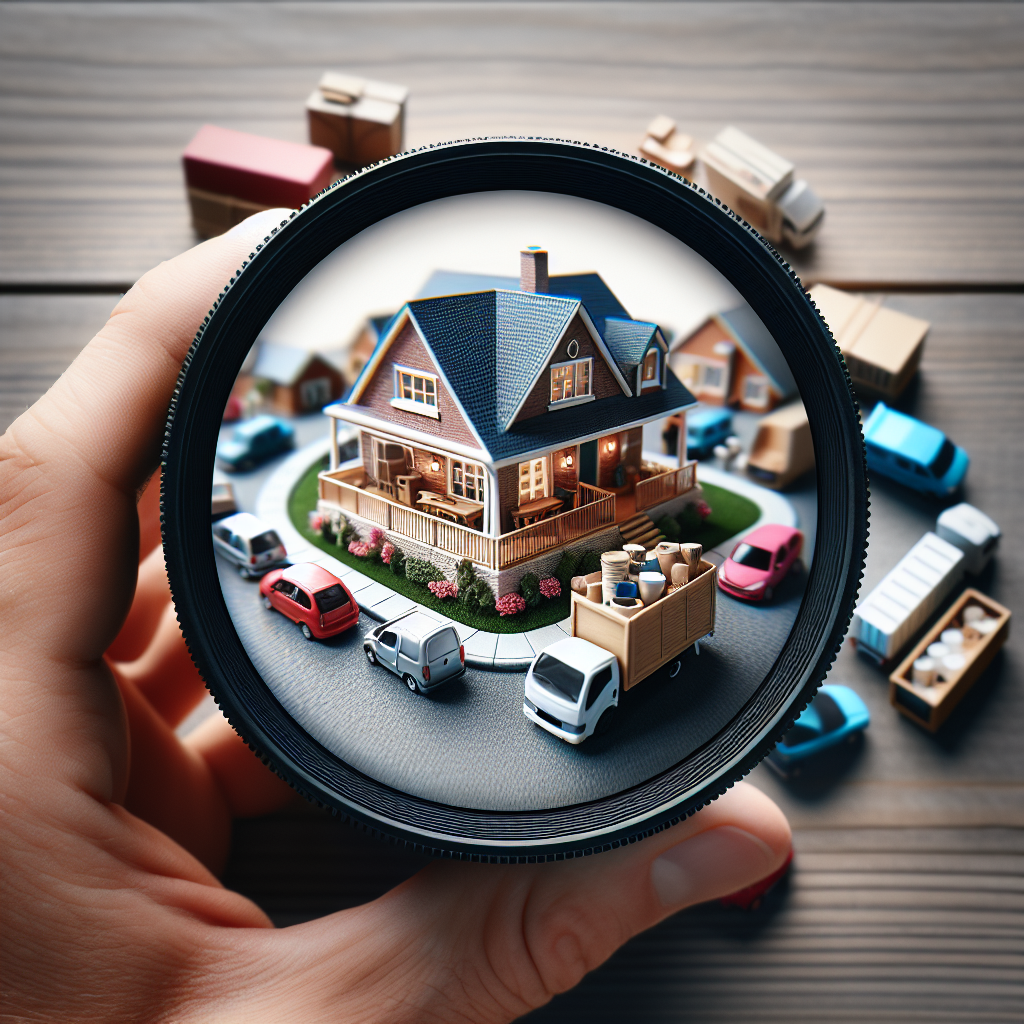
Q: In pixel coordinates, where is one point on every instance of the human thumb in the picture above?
(488, 943)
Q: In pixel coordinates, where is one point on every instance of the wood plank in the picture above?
(905, 117)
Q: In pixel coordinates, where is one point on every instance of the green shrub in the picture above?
(668, 526)
(345, 532)
(529, 587)
(480, 597)
(590, 562)
(689, 521)
(566, 568)
(465, 577)
(418, 570)
(397, 563)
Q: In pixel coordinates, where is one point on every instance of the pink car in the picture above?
(760, 562)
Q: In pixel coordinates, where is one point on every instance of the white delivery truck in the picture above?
(888, 618)
(574, 685)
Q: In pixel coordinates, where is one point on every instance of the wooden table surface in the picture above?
(906, 902)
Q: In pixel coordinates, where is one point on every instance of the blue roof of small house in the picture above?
(491, 345)
(746, 326)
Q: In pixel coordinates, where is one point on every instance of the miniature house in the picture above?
(732, 359)
(882, 347)
(298, 381)
(364, 342)
(504, 424)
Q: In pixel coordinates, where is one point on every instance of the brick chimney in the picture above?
(533, 269)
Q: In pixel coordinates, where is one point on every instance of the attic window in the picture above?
(415, 391)
(649, 377)
(571, 380)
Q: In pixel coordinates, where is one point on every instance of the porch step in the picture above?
(641, 530)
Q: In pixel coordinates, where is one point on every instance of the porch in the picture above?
(351, 491)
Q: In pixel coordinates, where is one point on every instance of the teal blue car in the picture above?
(253, 442)
(913, 453)
(835, 716)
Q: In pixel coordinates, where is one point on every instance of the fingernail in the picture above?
(711, 864)
(259, 225)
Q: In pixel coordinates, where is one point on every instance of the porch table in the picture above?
(536, 510)
(447, 506)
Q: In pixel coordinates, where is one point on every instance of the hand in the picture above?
(114, 829)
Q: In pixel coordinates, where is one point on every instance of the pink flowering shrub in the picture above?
(316, 521)
(443, 589)
(387, 552)
(376, 539)
(510, 604)
(358, 548)
(550, 587)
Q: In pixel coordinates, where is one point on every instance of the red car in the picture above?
(752, 897)
(760, 562)
(311, 596)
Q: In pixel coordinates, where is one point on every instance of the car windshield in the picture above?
(944, 459)
(264, 542)
(558, 676)
(755, 558)
(829, 712)
(331, 598)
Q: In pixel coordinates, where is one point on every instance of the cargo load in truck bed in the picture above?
(664, 629)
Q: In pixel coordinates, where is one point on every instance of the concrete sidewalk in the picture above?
(502, 651)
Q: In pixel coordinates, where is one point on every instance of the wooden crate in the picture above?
(930, 706)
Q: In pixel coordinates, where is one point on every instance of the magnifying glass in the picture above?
(514, 499)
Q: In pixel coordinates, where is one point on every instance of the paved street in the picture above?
(469, 744)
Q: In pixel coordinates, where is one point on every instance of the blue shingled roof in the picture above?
(627, 340)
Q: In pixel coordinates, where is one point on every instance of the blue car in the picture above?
(913, 453)
(254, 441)
(706, 426)
(836, 715)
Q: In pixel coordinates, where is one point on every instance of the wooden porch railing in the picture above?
(596, 510)
(663, 486)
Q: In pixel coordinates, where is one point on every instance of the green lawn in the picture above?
(304, 498)
(730, 513)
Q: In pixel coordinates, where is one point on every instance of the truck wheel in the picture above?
(605, 722)
(410, 681)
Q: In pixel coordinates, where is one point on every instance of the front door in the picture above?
(533, 480)
(588, 463)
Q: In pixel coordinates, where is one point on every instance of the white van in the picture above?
(249, 543)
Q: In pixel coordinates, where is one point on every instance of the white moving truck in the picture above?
(889, 617)
(574, 685)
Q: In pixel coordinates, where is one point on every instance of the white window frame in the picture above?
(655, 381)
(532, 492)
(700, 365)
(423, 408)
(574, 399)
(479, 475)
(763, 398)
